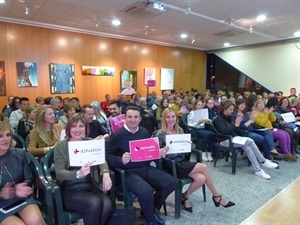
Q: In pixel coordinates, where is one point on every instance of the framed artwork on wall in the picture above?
(128, 82)
(150, 74)
(62, 78)
(2, 79)
(27, 74)
(166, 79)
(98, 70)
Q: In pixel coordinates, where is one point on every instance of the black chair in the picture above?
(20, 143)
(63, 216)
(42, 190)
(196, 140)
(230, 149)
(121, 187)
(170, 163)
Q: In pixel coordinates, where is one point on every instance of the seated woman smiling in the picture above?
(198, 171)
(15, 184)
(79, 193)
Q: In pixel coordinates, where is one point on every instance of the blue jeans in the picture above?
(208, 138)
(263, 139)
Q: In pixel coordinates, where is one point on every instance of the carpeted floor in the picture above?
(248, 191)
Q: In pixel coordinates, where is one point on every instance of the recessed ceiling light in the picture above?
(297, 34)
(183, 35)
(2, 1)
(261, 18)
(116, 22)
(226, 44)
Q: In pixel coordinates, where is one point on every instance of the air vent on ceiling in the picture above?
(230, 33)
(141, 10)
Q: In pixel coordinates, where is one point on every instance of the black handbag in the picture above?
(125, 216)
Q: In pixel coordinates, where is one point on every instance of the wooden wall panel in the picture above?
(27, 44)
(44, 46)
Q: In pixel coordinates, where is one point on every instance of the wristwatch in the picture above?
(78, 174)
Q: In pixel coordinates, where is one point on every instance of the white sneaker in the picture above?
(209, 156)
(269, 164)
(263, 174)
(204, 157)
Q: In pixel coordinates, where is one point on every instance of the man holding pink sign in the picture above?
(124, 149)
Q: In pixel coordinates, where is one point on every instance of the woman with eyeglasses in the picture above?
(17, 206)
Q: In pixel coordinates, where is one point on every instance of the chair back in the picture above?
(62, 216)
(27, 142)
(42, 190)
(20, 143)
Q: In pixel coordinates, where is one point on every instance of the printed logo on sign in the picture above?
(76, 151)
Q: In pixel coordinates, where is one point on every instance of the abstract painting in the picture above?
(2, 79)
(27, 74)
(62, 78)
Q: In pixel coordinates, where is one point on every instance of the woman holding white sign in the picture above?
(79, 193)
(290, 127)
(198, 121)
(264, 117)
(198, 171)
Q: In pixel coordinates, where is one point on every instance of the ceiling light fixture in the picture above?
(251, 29)
(297, 34)
(193, 41)
(27, 10)
(226, 44)
(183, 35)
(97, 24)
(116, 22)
(188, 9)
(2, 1)
(261, 18)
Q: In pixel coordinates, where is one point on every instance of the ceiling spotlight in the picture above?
(27, 10)
(183, 35)
(251, 29)
(226, 44)
(2, 1)
(188, 9)
(261, 18)
(97, 24)
(297, 34)
(193, 40)
(116, 22)
(146, 32)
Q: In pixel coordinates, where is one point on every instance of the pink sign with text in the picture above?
(144, 149)
(117, 122)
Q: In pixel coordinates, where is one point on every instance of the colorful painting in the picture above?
(62, 78)
(98, 71)
(128, 82)
(166, 79)
(150, 74)
(27, 74)
(2, 79)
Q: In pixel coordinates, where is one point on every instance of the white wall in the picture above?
(277, 67)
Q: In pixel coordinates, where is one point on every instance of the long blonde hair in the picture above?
(47, 137)
(164, 123)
